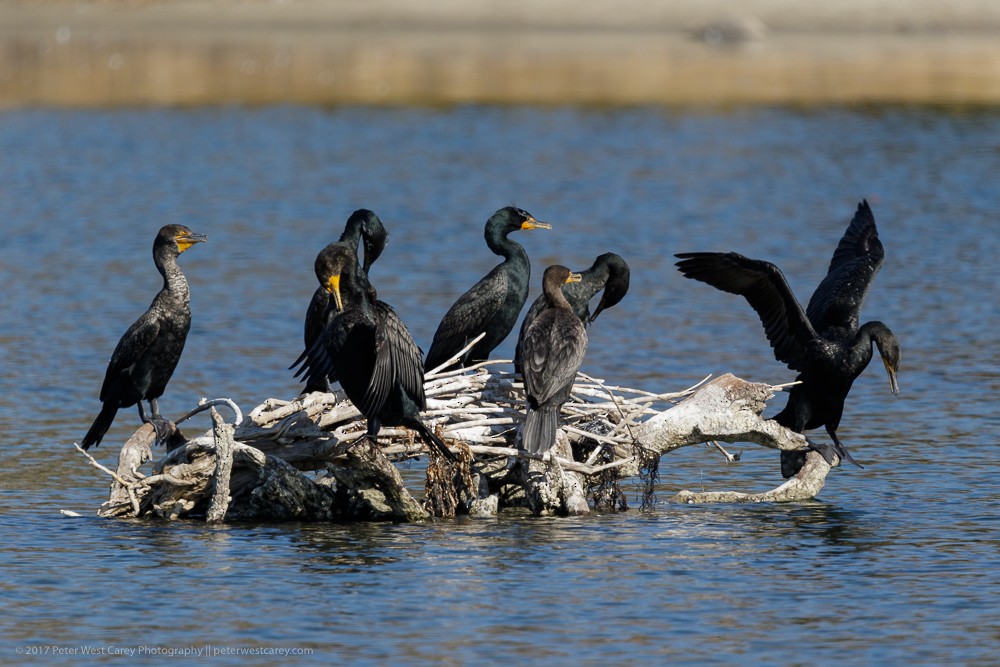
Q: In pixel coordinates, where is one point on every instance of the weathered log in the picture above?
(223, 438)
(306, 459)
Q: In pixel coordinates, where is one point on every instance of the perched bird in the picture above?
(552, 350)
(609, 272)
(493, 304)
(370, 349)
(148, 352)
(365, 226)
(824, 343)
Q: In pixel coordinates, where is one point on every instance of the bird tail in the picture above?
(100, 425)
(539, 431)
(429, 436)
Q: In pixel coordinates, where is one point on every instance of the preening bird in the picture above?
(609, 272)
(824, 343)
(365, 226)
(493, 304)
(551, 352)
(370, 349)
(148, 352)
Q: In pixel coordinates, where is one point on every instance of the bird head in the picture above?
(332, 264)
(180, 235)
(617, 283)
(374, 236)
(888, 349)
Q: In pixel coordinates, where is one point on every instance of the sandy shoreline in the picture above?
(140, 52)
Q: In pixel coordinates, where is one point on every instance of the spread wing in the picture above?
(316, 363)
(764, 287)
(320, 365)
(835, 306)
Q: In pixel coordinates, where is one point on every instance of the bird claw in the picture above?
(829, 451)
(365, 436)
(163, 428)
(846, 456)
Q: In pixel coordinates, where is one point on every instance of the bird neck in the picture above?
(351, 235)
(174, 281)
(500, 244)
(356, 291)
(353, 231)
(591, 282)
(556, 299)
(861, 349)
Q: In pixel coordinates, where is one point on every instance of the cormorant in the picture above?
(362, 225)
(370, 349)
(824, 343)
(494, 303)
(609, 272)
(148, 352)
(552, 350)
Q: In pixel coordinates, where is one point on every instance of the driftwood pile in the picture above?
(304, 460)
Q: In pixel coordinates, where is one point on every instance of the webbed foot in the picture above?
(164, 428)
(845, 455)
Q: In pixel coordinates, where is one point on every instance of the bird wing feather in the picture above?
(133, 345)
(469, 316)
(553, 349)
(835, 306)
(397, 360)
(764, 287)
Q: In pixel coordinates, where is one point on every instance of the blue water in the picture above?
(893, 564)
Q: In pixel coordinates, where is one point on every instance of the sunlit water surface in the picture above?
(893, 564)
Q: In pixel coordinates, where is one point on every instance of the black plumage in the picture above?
(370, 349)
(363, 225)
(609, 272)
(493, 304)
(552, 350)
(148, 352)
(824, 343)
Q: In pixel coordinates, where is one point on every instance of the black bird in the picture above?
(365, 226)
(553, 348)
(824, 343)
(370, 349)
(493, 304)
(148, 352)
(609, 272)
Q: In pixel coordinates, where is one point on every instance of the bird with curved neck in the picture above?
(609, 273)
(493, 304)
(148, 352)
(363, 225)
(370, 349)
(824, 342)
(553, 348)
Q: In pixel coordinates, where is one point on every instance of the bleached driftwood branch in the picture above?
(304, 459)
